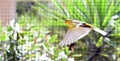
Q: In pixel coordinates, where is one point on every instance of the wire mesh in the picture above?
(34, 31)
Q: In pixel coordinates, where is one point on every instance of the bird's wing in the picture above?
(72, 35)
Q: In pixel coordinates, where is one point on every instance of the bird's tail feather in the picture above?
(100, 31)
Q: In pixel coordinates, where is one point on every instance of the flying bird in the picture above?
(78, 30)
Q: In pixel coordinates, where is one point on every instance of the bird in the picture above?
(77, 30)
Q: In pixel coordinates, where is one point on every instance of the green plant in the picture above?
(37, 34)
(97, 12)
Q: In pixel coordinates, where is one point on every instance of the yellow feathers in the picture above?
(77, 30)
(70, 24)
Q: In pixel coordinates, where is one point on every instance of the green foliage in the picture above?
(96, 12)
(53, 38)
(100, 42)
(29, 42)
(3, 37)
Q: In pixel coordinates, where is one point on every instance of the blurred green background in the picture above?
(39, 27)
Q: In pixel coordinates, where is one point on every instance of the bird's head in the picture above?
(73, 23)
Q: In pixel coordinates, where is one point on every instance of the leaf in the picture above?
(105, 55)
(9, 28)
(77, 55)
(90, 9)
(3, 37)
(81, 10)
(100, 42)
(62, 8)
(116, 35)
(104, 8)
(53, 38)
(96, 21)
(67, 50)
(44, 10)
(117, 8)
(53, 23)
(109, 14)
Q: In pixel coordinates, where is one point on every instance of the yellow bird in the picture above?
(78, 30)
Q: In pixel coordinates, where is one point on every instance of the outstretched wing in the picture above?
(72, 35)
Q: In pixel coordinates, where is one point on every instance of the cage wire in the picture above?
(38, 28)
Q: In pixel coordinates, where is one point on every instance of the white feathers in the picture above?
(80, 30)
(100, 31)
(72, 35)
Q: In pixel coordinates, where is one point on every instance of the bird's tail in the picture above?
(100, 31)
